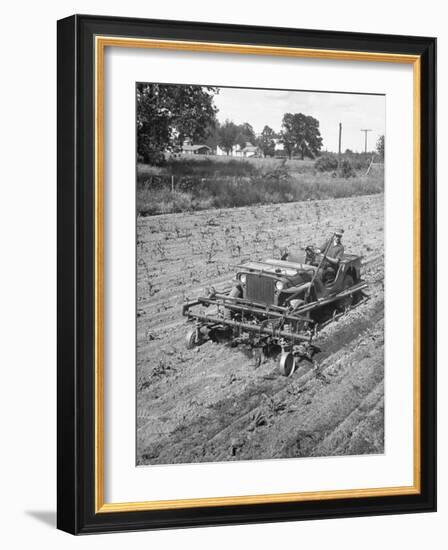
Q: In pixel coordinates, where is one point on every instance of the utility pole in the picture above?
(339, 149)
(365, 130)
(340, 138)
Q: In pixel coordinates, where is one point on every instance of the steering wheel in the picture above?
(310, 254)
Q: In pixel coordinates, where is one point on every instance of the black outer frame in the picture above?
(75, 381)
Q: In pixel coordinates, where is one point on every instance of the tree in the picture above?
(287, 136)
(301, 133)
(228, 135)
(266, 142)
(246, 134)
(167, 114)
(380, 147)
(211, 135)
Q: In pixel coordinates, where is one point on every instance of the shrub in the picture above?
(326, 163)
(329, 163)
(346, 169)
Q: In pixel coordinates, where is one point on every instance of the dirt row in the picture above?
(210, 403)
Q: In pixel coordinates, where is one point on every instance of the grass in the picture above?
(222, 182)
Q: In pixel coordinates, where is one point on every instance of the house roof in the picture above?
(194, 147)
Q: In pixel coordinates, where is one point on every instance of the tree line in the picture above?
(168, 114)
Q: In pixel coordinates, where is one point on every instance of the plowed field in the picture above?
(210, 403)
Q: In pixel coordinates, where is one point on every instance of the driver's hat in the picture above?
(339, 232)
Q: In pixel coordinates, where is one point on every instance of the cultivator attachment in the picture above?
(266, 328)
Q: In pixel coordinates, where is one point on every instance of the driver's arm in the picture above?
(332, 260)
(337, 257)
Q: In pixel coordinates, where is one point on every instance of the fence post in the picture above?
(172, 185)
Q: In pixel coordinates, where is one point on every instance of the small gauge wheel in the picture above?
(287, 363)
(191, 339)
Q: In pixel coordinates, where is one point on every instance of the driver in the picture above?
(336, 248)
(334, 255)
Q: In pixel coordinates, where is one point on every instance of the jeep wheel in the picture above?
(287, 363)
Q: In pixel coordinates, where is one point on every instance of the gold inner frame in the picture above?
(101, 42)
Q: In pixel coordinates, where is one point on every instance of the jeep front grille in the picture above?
(259, 288)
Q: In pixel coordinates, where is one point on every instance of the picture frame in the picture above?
(82, 41)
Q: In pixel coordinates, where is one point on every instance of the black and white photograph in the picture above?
(260, 273)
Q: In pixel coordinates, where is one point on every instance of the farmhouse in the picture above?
(247, 151)
(189, 149)
(196, 150)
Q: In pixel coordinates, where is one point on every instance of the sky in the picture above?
(267, 107)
